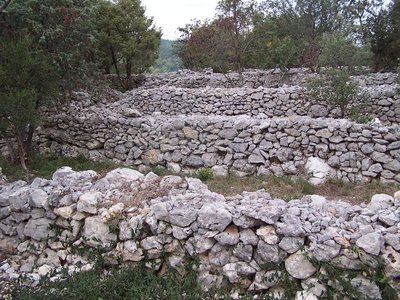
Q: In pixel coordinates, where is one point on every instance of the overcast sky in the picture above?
(171, 14)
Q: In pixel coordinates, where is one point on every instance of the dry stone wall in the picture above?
(251, 240)
(243, 145)
(264, 102)
(250, 79)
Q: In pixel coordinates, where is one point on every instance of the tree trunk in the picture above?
(21, 152)
(12, 152)
(28, 141)
(128, 74)
(115, 63)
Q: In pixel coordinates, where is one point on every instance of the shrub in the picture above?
(335, 89)
(205, 173)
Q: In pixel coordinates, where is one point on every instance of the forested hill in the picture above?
(167, 61)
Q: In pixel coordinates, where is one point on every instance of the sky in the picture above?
(171, 14)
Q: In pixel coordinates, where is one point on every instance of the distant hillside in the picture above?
(167, 60)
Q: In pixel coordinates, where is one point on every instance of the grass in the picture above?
(287, 188)
(279, 187)
(44, 166)
(125, 283)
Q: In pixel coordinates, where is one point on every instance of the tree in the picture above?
(205, 45)
(126, 36)
(385, 37)
(306, 21)
(167, 61)
(337, 90)
(235, 18)
(44, 49)
(268, 48)
(222, 43)
(61, 28)
(338, 52)
(27, 80)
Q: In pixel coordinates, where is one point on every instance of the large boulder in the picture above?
(318, 170)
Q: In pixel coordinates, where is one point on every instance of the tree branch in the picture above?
(4, 5)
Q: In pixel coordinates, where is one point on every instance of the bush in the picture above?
(336, 89)
(205, 173)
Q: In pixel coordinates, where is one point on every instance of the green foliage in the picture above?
(384, 34)
(45, 166)
(126, 283)
(288, 34)
(125, 37)
(204, 45)
(338, 280)
(27, 80)
(205, 173)
(337, 90)
(221, 43)
(339, 52)
(61, 28)
(167, 61)
(269, 49)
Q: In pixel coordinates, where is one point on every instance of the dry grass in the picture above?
(287, 188)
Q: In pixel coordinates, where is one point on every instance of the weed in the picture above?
(160, 170)
(338, 281)
(205, 174)
(126, 283)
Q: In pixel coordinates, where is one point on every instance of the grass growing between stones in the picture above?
(125, 283)
(45, 166)
(279, 187)
(287, 188)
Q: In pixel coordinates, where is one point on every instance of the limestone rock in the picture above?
(88, 202)
(299, 266)
(318, 169)
(38, 229)
(214, 216)
(97, 232)
(371, 243)
(229, 237)
(220, 171)
(268, 234)
(366, 287)
(291, 244)
(65, 212)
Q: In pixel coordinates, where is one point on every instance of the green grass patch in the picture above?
(287, 188)
(125, 283)
(205, 173)
(45, 166)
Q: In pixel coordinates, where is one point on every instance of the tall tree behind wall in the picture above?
(43, 49)
(61, 28)
(385, 37)
(236, 21)
(126, 37)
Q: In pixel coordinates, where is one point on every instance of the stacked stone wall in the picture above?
(251, 79)
(251, 240)
(280, 146)
(263, 102)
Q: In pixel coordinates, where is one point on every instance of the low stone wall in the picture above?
(283, 101)
(250, 79)
(255, 242)
(280, 146)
